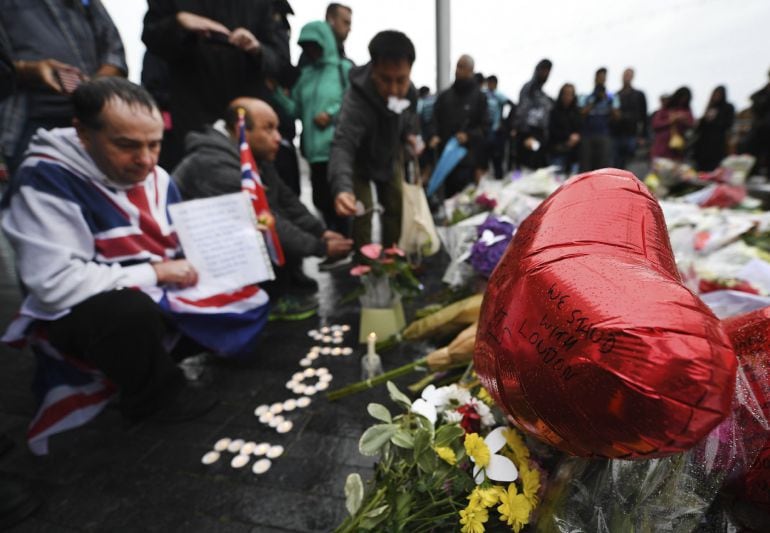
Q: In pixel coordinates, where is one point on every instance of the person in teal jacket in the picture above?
(316, 99)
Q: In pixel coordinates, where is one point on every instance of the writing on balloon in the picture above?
(549, 355)
(579, 325)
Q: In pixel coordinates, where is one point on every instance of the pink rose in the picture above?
(395, 250)
(360, 270)
(372, 251)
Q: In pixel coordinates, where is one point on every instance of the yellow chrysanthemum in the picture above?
(514, 508)
(446, 453)
(485, 397)
(530, 480)
(485, 497)
(516, 444)
(477, 449)
(473, 518)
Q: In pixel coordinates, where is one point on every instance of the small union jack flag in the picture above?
(252, 184)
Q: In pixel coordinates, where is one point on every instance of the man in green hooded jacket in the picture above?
(315, 99)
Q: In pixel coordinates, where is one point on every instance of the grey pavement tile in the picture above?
(36, 525)
(291, 511)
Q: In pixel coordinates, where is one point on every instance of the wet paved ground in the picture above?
(112, 476)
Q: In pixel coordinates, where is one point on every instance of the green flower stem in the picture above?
(352, 523)
(374, 382)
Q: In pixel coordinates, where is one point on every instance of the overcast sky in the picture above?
(699, 43)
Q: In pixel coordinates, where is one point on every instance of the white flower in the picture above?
(488, 420)
(453, 417)
(500, 468)
(425, 408)
(484, 412)
(448, 397)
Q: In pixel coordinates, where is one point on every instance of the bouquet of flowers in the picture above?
(444, 463)
(494, 236)
(384, 273)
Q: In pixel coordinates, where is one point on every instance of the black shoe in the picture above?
(189, 403)
(329, 264)
(16, 503)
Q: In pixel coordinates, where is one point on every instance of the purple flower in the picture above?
(494, 236)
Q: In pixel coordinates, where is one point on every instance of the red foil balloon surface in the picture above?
(587, 337)
(750, 335)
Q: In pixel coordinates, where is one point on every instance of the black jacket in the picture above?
(563, 122)
(632, 121)
(212, 167)
(368, 138)
(206, 74)
(462, 108)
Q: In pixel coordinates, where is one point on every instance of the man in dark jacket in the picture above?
(216, 51)
(757, 142)
(629, 130)
(55, 45)
(213, 167)
(461, 112)
(532, 117)
(376, 121)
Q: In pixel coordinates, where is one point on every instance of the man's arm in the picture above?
(198, 177)
(274, 44)
(169, 32)
(112, 55)
(348, 136)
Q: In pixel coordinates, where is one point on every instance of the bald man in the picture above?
(461, 112)
(212, 167)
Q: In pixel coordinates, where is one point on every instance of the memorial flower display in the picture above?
(445, 463)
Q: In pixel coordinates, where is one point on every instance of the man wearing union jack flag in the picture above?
(88, 221)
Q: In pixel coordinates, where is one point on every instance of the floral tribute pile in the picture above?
(445, 463)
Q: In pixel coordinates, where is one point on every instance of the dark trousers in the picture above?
(460, 177)
(121, 333)
(323, 201)
(595, 152)
(496, 151)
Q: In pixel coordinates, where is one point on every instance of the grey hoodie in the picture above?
(368, 135)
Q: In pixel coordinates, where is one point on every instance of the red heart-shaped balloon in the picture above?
(587, 337)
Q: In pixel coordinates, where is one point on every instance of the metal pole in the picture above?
(443, 18)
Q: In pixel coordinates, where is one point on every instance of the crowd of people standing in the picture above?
(580, 132)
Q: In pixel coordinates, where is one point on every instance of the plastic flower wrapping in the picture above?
(445, 463)
(493, 238)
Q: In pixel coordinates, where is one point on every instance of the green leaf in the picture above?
(354, 493)
(445, 435)
(403, 439)
(427, 461)
(374, 517)
(403, 506)
(374, 437)
(398, 396)
(421, 443)
(377, 511)
(380, 412)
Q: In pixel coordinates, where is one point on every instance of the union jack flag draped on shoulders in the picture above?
(252, 184)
